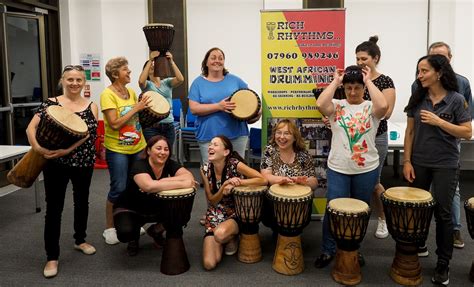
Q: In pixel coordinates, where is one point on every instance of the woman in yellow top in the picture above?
(123, 134)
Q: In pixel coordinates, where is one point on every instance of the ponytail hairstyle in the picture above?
(371, 48)
(232, 154)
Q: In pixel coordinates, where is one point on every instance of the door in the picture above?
(24, 78)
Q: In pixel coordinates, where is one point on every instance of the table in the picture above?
(397, 144)
(11, 152)
(467, 160)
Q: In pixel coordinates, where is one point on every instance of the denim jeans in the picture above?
(164, 129)
(359, 186)
(443, 183)
(456, 209)
(56, 178)
(119, 166)
(239, 144)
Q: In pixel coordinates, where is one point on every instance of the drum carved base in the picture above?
(406, 268)
(25, 172)
(174, 260)
(288, 259)
(346, 269)
(249, 248)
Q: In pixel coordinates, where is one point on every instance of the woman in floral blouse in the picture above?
(353, 159)
(285, 161)
(225, 170)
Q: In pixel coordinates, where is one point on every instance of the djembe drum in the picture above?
(175, 207)
(408, 212)
(348, 220)
(469, 208)
(160, 37)
(292, 213)
(248, 208)
(159, 109)
(247, 104)
(60, 128)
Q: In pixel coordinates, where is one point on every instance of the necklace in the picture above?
(120, 92)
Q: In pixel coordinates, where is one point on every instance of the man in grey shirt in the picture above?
(442, 48)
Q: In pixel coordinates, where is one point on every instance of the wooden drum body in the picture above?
(158, 110)
(292, 213)
(348, 221)
(59, 129)
(408, 212)
(248, 208)
(247, 104)
(175, 208)
(469, 208)
(160, 38)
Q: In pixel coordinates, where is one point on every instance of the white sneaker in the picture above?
(142, 231)
(110, 235)
(382, 231)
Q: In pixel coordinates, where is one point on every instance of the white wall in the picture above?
(402, 39)
(110, 28)
(113, 28)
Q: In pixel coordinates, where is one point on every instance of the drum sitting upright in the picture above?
(469, 208)
(248, 208)
(247, 104)
(160, 37)
(348, 220)
(175, 207)
(408, 212)
(60, 128)
(158, 110)
(292, 212)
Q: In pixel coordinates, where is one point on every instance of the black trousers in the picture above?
(56, 178)
(443, 182)
(128, 223)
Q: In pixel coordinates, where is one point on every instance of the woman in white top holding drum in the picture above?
(75, 164)
(148, 82)
(353, 159)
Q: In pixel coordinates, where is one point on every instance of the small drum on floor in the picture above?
(247, 104)
(175, 208)
(408, 212)
(348, 221)
(292, 212)
(248, 208)
(469, 208)
(60, 128)
(159, 109)
(159, 37)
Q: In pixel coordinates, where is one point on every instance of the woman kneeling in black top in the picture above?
(138, 204)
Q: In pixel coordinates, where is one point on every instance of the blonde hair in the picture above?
(298, 144)
(113, 66)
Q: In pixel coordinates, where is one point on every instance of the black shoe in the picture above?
(361, 259)
(157, 235)
(323, 260)
(441, 274)
(132, 248)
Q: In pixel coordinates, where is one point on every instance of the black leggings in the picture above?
(56, 178)
(128, 223)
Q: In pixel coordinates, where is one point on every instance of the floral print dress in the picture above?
(224, 209)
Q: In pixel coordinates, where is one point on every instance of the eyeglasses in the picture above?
(73, 67)
(280, 133)
(352, 72)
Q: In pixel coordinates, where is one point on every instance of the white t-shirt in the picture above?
(353, 138)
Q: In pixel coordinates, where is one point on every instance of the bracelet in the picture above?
(406, 160)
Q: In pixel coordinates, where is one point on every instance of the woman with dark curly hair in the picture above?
(437, 117)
